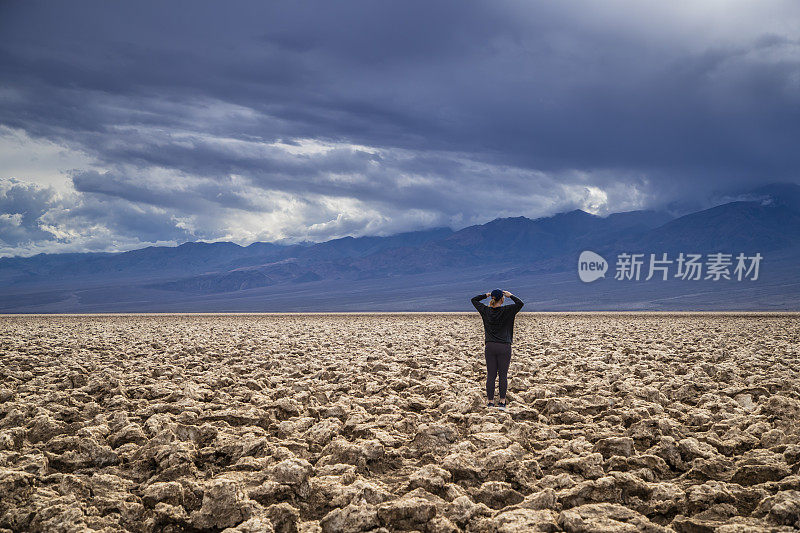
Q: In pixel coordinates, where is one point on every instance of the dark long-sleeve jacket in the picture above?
(498, 322)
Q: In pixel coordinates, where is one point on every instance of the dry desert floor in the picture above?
(376, 422)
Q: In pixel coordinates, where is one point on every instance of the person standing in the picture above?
(498, 327)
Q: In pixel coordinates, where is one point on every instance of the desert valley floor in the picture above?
(376, 422)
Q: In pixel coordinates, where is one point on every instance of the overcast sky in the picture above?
(127, 124)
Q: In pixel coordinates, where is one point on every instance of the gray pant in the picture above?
(498, 358)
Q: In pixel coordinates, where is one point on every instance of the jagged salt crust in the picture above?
(377, 423)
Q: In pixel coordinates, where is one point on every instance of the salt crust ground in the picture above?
(376, 422)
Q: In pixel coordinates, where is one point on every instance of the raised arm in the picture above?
(517, 302)
(476, 301)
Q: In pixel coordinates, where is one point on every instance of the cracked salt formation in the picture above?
(328, 423)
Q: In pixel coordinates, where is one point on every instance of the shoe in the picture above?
(501, 406)
(490, 404)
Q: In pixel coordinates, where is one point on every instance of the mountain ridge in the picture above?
(515, 249)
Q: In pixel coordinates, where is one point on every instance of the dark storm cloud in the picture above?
(397, 179)
(35, 218)
(198, 196)
(114, 218)
(445, 107)
(21, 205)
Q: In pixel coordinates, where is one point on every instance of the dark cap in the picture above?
(497, 294)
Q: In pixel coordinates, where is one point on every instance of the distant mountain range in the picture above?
(435, 269)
